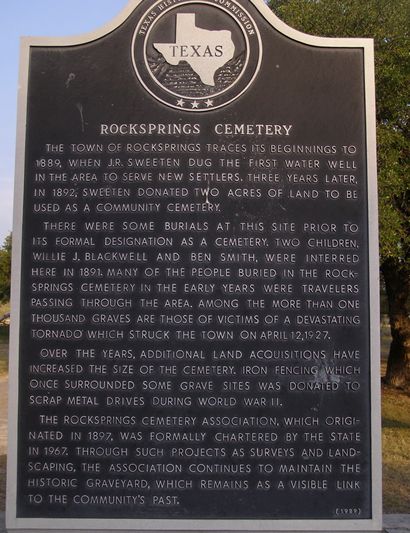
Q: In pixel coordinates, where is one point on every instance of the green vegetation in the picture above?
(4, 308)
(4, 350)
(396, 450)
(5, 275)
(5, 270)
(4, 340)
(387, 21)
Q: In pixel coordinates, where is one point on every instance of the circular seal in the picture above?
(196, 55)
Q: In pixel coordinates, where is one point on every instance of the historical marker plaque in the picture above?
(195, 278)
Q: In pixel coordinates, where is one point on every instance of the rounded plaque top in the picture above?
(196, 55)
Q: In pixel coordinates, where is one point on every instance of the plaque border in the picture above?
(79, 525)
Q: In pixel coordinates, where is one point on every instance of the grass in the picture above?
(4, 340)
(396, 450)
(396, 438)
(4, 350)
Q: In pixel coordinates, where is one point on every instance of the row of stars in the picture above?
(194, 104)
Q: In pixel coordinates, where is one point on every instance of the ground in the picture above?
(396, 450)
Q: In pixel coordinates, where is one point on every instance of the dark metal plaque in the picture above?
(196, 265)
